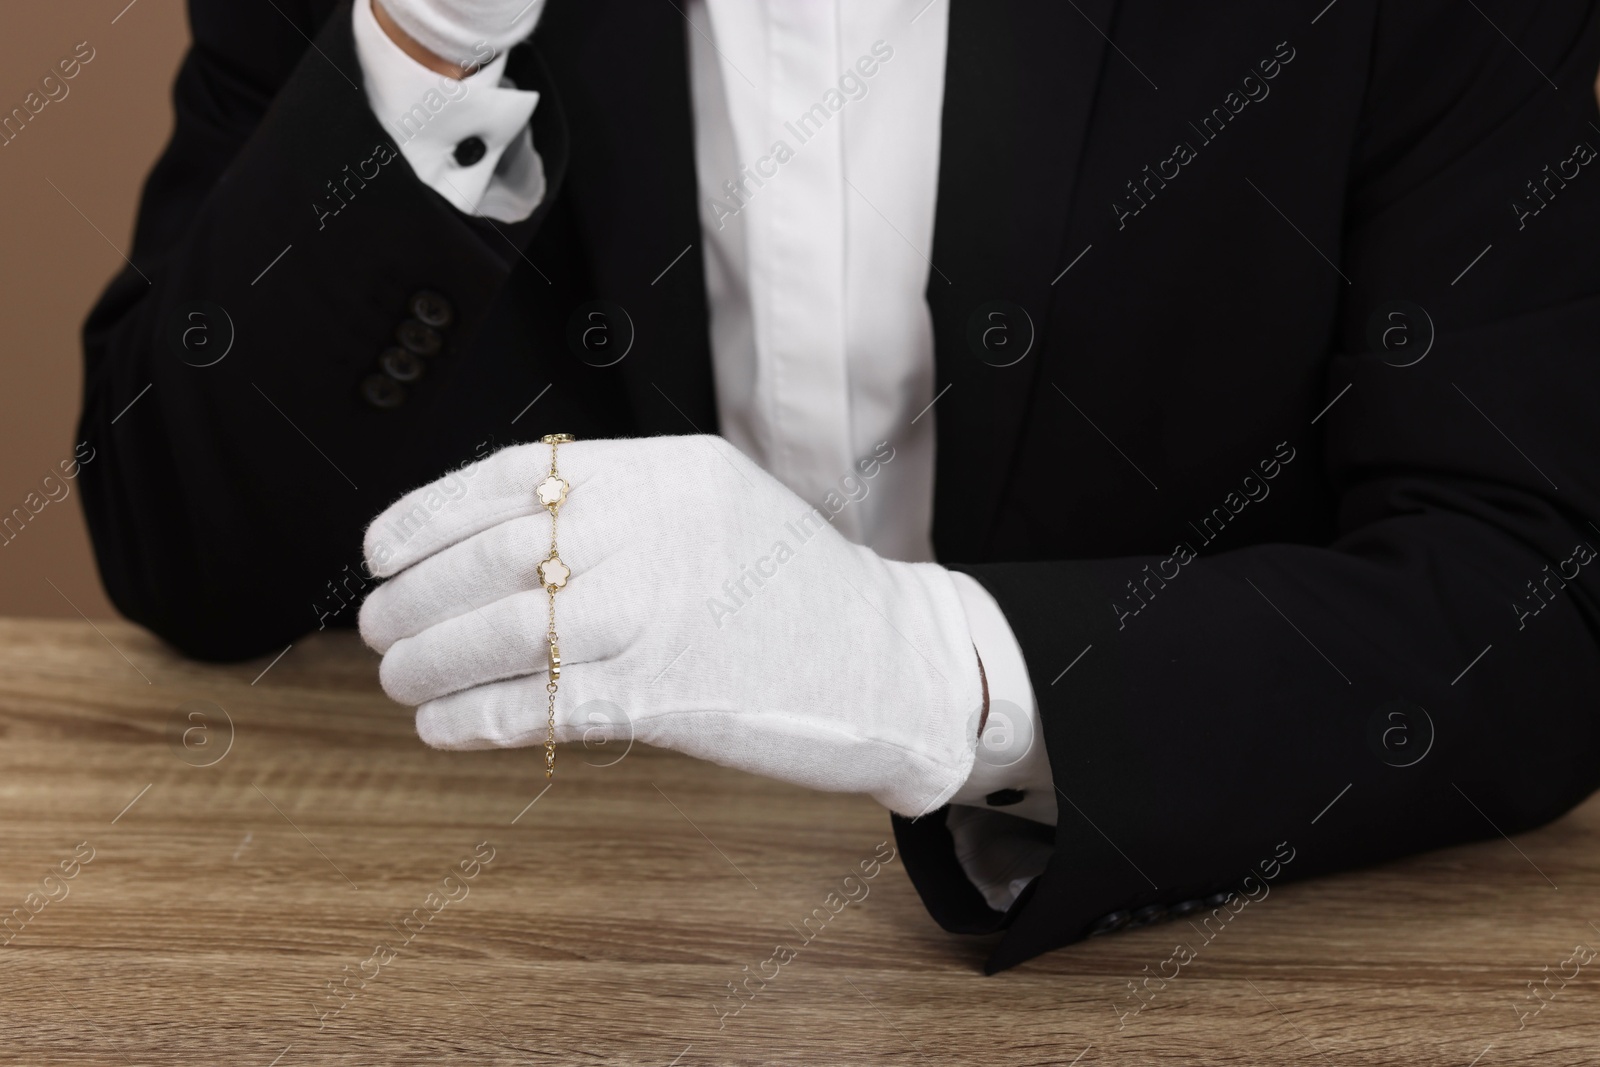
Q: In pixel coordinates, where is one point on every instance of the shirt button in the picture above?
(1004, 798)
(401, 365)
(382, 391)
(432, 309)
(470, 151)
(418, 337)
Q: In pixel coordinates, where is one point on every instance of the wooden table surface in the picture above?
(224, 879)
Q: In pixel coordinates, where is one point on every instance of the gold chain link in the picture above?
(550, 686)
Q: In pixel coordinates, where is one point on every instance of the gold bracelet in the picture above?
(553, 575)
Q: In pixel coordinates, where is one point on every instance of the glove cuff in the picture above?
(927, 785)
(941, 748)
(465, 32)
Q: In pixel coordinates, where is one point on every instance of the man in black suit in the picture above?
(1289, 500)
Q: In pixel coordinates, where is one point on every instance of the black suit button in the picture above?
(401, 365)
(1146, 916)
(419, 337)
(1217, 900)
(431, 309)
(1110, 923)
(1004, 798)
(382, 391)
(470, 150)
(1184, 907)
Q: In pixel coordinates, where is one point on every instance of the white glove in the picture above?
(718, 611)
(453, 29)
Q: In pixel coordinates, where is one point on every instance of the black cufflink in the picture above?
(1004, 798)
(470, 150)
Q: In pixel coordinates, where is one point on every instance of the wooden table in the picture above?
(222, 901)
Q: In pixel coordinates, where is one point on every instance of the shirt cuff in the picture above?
(999, 853)
(1011, 754)
(1001, 848)
(430, 115)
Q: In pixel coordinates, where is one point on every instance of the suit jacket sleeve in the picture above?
(284, 213)
(1253, 720)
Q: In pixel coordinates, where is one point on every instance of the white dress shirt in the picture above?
(817, 155)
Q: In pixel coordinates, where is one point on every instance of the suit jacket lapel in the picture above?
(622, 71)
(1020, 83)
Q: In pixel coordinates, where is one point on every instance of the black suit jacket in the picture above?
(1207, 485)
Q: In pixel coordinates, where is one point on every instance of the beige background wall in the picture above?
(96, 145)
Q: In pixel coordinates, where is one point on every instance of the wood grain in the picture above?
(617, 908)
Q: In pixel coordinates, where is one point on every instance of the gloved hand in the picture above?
(453, 29)
(722, 614)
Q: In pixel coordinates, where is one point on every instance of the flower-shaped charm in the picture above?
(553, 574)
(552, 492)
